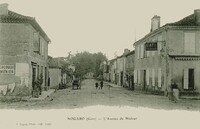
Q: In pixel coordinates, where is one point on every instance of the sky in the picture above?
(107, 26)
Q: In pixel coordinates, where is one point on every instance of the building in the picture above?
(129, 70)
(60, 71)
(23, 53)
(112, 70)
(169, 54)
(55, 76)
(120, 70)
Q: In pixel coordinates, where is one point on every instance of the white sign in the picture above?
(22, 69)
(7, 69)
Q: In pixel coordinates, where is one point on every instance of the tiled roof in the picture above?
(187, 21)
(13, 17)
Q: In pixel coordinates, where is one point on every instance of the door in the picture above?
(121, 75)
(144, 79)
(33, 75)
(188, 79)
(45, 78)
(191, 79)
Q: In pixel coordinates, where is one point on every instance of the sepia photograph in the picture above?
(99, 64)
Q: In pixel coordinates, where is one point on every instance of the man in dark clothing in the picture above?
(101, 84)
(96, 84)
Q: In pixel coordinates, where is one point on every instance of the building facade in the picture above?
(23, 53)
(55, 76)
(169, 54)
(129, 70)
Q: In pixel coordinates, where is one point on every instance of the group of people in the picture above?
(97, 85)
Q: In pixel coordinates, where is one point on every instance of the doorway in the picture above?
(191, 79)
(33, 75)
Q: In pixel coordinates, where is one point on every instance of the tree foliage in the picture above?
(86, 62)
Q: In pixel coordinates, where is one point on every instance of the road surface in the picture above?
(88, 95)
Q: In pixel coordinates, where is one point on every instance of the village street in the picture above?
(88, 95)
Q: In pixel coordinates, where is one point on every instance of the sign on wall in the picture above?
(151, 46)
(7, 69)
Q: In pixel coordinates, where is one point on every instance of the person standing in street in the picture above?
(101, 84)
(96, 84)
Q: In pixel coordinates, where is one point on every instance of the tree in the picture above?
(86, 62)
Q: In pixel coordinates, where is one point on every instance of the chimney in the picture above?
(155, 23)
(4, 9)
(197, 16)
(126, 51)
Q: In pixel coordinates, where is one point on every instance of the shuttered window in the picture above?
(142, 50)
(147, 77)
(159, 77)
(135, 76)
(186, 78)
(36, 45)
(138, 52)
(189, 44)
(153, 77)
(138, 76)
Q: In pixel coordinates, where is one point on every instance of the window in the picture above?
(135, 76)
(38, 72)
(189, 43)
(36, 45)
(138, 76)
(42, 70)
(138, 52)
(147, 77)
(142, 51)
(188, 79)
(159, 77)
(153, 77)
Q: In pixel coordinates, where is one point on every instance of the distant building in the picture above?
(23, 53)
(55, 76)
(58, 71)
(129, 69)
(168, 54)
(112, 71)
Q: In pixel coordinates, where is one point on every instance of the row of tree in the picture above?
(86, 62)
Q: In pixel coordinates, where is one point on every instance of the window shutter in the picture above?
(153, 77)
(36, 45)
(142, 51)
(135, 76)
(147, 76)
(189, 44)
(138, 52)
(138, 76)
(159, 77)
(186, 78)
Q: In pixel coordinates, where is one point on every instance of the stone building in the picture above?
(169, 54)
(23, 53)
(129, 69)
(55, 76)
(120, 70)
